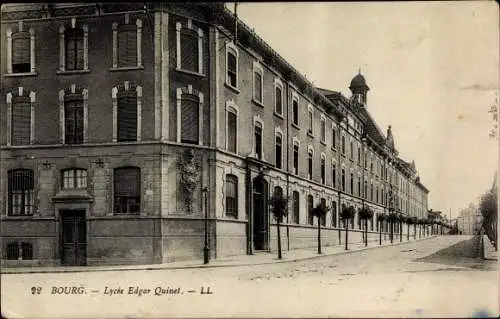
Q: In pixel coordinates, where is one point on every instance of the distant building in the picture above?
(115, 117)
(469, 220)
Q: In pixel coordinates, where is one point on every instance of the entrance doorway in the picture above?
(260, 214)
(73, 238)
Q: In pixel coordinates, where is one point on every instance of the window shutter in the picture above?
(189, 120)
(69, 118)
(127, 46)
(231, 134)
(21, 48)
(21, 123)
(189, 50)
(127, 118)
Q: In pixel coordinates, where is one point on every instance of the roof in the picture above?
(358, 81)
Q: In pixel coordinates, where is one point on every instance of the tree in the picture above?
(409, 221)
(365, 214)
(400, 223)
(320, 211)
(380, 219)
(415, 220)
(346, 214)
(488, 207)
(279, 207)
(392, 218)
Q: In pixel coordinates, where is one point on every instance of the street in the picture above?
(438, 277)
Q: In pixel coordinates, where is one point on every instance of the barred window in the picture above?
(231, 196)
(16, 250)
(296, 207)
(21, 121)
(127, 115)
(73, 120)
(127, 187)
(20, 189)
(190, 119)
(74, 178)
(74, 49)
(189, 50)
(12, 251)
(21, 52)
(127, 45)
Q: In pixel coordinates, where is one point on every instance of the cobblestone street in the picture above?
(438, 277)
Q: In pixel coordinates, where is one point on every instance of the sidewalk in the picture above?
(260, 258)
(489, 249)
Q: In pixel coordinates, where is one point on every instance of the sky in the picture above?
(432, 69)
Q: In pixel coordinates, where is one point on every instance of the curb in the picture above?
(138, 267)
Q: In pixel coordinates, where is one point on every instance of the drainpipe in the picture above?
(287, 165)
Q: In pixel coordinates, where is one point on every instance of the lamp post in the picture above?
(206, 248)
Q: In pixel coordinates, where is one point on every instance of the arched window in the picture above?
(189, 47)
(231, 196)
(232, 66)
(74, 178)
(20, 191)
(127, 112)
(278, 97)
(258, 76)
(127, 44)
(20, 117)
(127, 190)
(295, 109)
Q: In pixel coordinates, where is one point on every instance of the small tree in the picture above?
(346, 214)
(319, 211)
(380, 220)
(279, 206)
(409, 221)
(392, 218)
(365, 214)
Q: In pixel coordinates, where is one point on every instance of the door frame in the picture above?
(62, 213)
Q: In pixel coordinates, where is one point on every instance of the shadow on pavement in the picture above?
(465, 253)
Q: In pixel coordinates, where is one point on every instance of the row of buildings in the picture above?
(122, 124)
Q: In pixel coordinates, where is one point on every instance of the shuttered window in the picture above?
(232, 69)
(127, 116)
(74, 49)
(231, 132)
(21, 52)
(73, 121)
(127, 46)
(20, 190)
(189, 50)
(257, 91)
(127, 190)
(278, 100)
(231, 196)
(296, 207)
(21, 121)
(190, 119)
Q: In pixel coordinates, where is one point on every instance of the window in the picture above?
(258, 140)
(232, 129)
(296, 207)
(231, 196)
(12, 251)
(278, 150)
(323, 129)
(310, 164)
(334, 175)
(278, 97)
(352, 183)
(189, 47)
(376, 192)
(295, 111)
(334, 138)
(296, 159)
(323, 172)
(323, 218)
(20, 50)
(366, 160)
(310, 121)
(74, 178)
(257, 83)
(127, 116)
(343, 179)
(359, 156)
(127, 44)
(20, 189)
(19, 251)
(231, 65)
(73, 119)
(334, 214)
(189, 115)
(343, 145)
(127, 187)
(371, 191)
(310, 217)
(20, 117)
(359, 186)
(366, 190)
(74, 39)
(351, 151)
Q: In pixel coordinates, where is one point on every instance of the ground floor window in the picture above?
(16, 250)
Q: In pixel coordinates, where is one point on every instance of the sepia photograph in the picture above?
(249, 160)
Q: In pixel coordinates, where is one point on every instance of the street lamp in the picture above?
(206, 248)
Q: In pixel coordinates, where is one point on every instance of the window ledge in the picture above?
(190, 72)
(296, 126)
(126, 68)
(278, 115)
(310, 134)
(232, 88)
(20, 74)
(17, 217)
(257, 102)
(64, 72)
